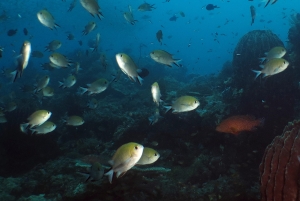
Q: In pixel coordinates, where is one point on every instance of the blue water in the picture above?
(193, 36)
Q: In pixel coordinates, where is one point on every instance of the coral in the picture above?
(279, 170)
(251, 46)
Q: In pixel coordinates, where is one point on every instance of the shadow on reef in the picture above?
(20, 152)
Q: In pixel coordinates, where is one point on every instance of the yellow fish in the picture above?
(272, 67)
(184, 104)
(149, 156)
(124, 159)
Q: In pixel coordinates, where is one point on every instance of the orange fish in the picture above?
(236, 124)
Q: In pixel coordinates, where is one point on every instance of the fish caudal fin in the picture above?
(168, 108)
(110, 175)
(81, 90)
(258, 72)
(61, 85)
(140, 80)
(262, 60)
(24, 127)
(176, 62)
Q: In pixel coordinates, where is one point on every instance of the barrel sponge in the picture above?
(249, 49)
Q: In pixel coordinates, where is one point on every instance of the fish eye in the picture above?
(284, 62)
(105, 82)
(136, 147)
(196, 101)
(155, 154)
(121, 55)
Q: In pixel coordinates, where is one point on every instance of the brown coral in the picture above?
(279, 170)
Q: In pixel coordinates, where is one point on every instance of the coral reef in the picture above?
(279, 170)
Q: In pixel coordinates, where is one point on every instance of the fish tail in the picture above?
(110, 175)
(15, 75)
(262, 60)
(81, 90)
(24, 127)
(61, 85)
(140, 80)
(257, 73)
(176, 61)
(168, 108)
(267, 3)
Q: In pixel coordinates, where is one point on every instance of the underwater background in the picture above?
(235, 136)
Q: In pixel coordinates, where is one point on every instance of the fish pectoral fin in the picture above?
(234, 130)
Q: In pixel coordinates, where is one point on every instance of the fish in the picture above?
(268, 1)
(77, 68)
(129, 16)
(12, 32)
(183, 104)
(60, 60)
(25, 31)
(146, 7)
(96, 44)
(27, 88)
(159, 36)
(156, 93)
(96, 87)
(67, 82)
(36, 119)
(45, 128)
(70, 36)
(80, 42)
(46, 19)
(11, 106)
(37, 54)
(22, 60)
(128, 67)
(173, 18)
(163, 57)
(275, 52)
(103, 60)
(92, 7)
(272, 67)
(48, 91)
(95, 172)
(253, 14)
(124, 159)
(155, 117)
(53, 45)
(72, 5)
(92, 104)
(149, 156)
(182, 14)
(239, 123)
(42, 83)
(73, 120)
(211, 7)
(88, 28)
